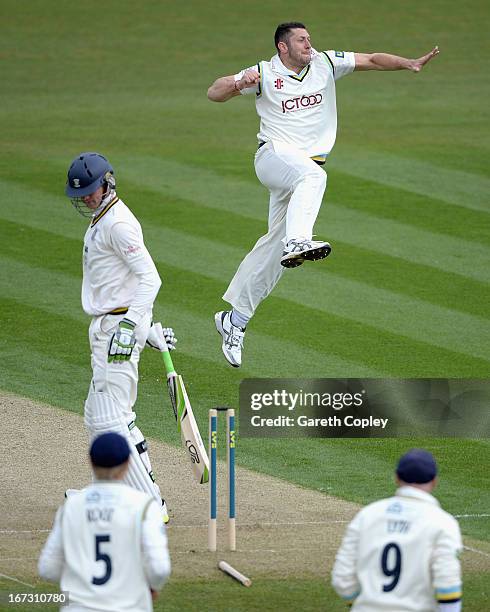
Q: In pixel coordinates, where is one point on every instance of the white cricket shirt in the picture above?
(300, 109)
(400, 555)
(118, 271)
(108, 547)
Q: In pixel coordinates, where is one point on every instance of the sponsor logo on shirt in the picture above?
(278, 83)
(301, 103)
(339, 54)
(132, 249)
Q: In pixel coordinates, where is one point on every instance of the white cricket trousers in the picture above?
(118, 379)
(296, 185)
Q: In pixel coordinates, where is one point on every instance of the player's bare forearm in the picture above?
(223, 89)
(386, 61)
(226, 87)
(380, 61)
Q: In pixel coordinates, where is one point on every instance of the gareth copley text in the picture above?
(305, 421)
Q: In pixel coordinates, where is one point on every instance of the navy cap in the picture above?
(418, 466)
(108, 450)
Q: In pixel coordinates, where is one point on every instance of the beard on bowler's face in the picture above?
(300, 56)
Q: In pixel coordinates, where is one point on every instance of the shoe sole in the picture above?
(220, 330)
(292, 260)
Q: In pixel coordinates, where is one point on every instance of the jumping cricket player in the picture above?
(295, 100)
(401, 554)
(120, 284)
(108, 546)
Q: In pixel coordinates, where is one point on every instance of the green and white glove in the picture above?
(122, 342)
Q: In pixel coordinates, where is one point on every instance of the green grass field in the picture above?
(303, 593)
(404, 294)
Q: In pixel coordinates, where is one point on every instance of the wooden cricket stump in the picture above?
(234, 573)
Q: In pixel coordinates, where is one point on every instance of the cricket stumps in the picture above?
(213, 476)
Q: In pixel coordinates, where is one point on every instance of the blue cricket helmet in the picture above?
(87, 173)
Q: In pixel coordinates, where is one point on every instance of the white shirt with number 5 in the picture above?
(107, 548)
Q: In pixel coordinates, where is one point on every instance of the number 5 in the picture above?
(395, 569)
(100, 556)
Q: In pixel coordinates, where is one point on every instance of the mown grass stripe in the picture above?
(415, 210)
(332, 335)
(455, 331)
(395, 239)
(392, 312)
(48, 378)
(360, 301)
(413, 280)
(29, 285)
(363, 348)
(393, 274)
(352, 299)
(452, 186)
(398, 355)
(349, 343)
(359, 229)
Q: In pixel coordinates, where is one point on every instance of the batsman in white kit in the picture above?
(295, 100)
(401, 554)
(108, 546)
(120, 284)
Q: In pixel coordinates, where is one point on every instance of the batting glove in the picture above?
(161, 338)
(122, 342)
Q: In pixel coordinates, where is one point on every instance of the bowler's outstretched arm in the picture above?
(386, 61)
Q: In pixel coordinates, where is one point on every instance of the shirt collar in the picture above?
(414, 493)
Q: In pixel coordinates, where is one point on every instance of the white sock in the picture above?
(238, 319)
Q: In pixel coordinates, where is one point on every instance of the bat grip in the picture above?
(167, 360)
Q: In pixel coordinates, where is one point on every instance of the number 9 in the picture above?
(393, 571)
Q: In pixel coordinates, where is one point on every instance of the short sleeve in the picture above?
(255, 89)
(342, 62)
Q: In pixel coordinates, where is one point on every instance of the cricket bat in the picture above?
(186, 422)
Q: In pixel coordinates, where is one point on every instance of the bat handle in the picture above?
(167, 360)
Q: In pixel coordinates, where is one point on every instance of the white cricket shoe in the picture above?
(232, 338)
(298, 251)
